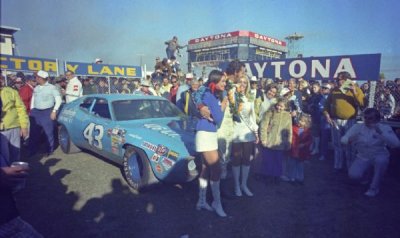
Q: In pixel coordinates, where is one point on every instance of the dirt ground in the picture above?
(82, 196)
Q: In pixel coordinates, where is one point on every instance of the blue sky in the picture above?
(120, 31)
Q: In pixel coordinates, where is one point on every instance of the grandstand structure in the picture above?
(243, 45)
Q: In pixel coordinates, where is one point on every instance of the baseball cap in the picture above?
(284, 91)
(189, 75)
(326, 85)
(43, 74)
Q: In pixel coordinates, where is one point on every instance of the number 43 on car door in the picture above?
(94, 134)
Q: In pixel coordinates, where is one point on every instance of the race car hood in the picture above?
(176, 134)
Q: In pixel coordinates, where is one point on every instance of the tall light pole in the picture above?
(141, 59)
(143, 69)
(294, 45)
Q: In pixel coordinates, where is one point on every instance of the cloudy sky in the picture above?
(123, 31)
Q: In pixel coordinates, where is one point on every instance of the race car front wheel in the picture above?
(67, 146)
(136, 168)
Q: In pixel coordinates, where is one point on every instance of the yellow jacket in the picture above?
(13, 113)
(276, 130)
(344, 106)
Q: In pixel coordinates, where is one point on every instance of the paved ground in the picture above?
(82, 196)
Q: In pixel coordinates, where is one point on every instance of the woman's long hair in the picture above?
(214, 78)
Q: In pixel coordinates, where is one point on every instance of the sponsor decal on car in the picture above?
(156, 158)
(116, 131)
(67, 115)
(135, 136)
(162, 150)
(167, 163)
(163, 130)
(117, 137)
(159, 168)
(116, 143)
(173, 155)
(149, 146)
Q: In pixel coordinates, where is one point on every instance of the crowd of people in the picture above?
(278, 123)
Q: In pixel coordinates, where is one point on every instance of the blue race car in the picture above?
(148, 136)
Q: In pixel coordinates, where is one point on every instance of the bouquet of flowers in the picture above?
(235, 100)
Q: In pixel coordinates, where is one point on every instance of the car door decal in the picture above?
(94, 134)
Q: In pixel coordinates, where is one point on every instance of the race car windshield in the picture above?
(126, 110)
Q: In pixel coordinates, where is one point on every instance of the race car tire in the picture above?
(67, 146)
(136, 168)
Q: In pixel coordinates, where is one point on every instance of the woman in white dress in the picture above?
(245, 136)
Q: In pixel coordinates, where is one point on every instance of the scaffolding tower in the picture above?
(294, 45)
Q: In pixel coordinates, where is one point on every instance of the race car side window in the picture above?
(101, 109)
(86, 104)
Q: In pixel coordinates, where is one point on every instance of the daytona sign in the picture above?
(214, 37)
(237, 33)
(360, 67)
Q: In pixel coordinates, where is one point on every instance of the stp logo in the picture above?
(162, 150)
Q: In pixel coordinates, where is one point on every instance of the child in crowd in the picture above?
(276, 139)
(300, 150)
(325, 126)
(315, 109)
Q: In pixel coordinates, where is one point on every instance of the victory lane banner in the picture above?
(28, 64)
(360, 67)
(104, 70)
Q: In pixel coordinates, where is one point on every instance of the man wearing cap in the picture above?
(98, 61)
(45, 103)
(340, 111)
(74, 87)
(14, 123)
(145, 88)
(184, 87)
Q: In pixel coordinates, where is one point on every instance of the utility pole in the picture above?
(141, 63)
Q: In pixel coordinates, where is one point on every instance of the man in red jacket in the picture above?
(26, 92)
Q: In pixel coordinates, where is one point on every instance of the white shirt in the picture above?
(46, 96)
(74, 90)
(368, 142)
